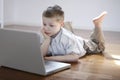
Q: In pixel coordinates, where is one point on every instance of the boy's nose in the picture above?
(45, 28)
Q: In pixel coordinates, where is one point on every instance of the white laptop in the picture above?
(21, 50)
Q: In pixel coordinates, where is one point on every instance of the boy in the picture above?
(61, 44)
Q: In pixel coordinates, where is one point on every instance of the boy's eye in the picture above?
(44, 24)
(51, 25)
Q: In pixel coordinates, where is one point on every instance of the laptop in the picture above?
(21, 50)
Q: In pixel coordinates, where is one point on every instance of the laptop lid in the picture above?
(21, 50)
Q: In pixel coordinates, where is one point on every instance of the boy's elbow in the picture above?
(75, 58)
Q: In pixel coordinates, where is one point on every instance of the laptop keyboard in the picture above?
(50, 64)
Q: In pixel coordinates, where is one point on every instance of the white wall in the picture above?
(0, 9)
(80, 12)
(1, 13)
(9, 11)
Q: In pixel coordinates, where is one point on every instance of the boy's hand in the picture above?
(45, 35)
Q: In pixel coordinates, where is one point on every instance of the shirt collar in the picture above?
(57, 35)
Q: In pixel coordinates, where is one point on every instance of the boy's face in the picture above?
(51, 26)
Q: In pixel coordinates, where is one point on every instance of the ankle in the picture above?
(97, 25)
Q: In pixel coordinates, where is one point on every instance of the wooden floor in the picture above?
(90, 67)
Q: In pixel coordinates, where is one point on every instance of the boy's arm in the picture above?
(65, 58)
(45, 45)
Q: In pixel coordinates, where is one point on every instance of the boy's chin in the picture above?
(48, 34)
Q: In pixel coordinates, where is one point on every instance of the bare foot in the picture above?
(98, 20)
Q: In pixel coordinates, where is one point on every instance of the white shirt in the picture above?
(66, 43)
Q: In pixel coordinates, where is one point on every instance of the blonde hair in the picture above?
(54, 12)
